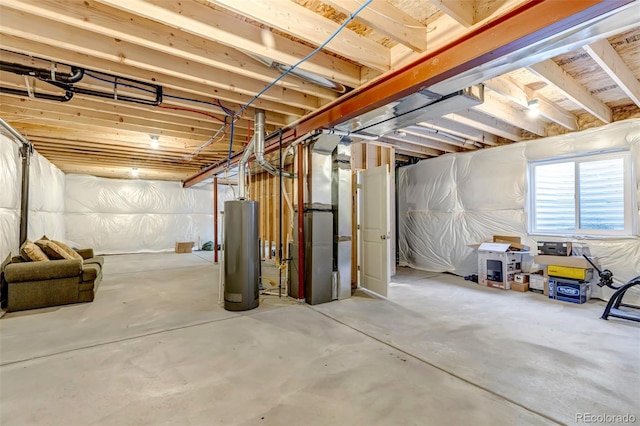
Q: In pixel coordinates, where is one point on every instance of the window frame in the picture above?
(630, 203)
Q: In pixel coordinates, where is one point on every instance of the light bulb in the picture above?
(134, 172)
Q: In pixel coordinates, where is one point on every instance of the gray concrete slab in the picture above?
(556, 358)
(139, 294)
(289, 366)
(156, 348)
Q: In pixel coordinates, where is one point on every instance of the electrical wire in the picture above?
(316, 50)
(192, 110)
(230, 142)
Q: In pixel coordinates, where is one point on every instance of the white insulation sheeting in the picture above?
(449, 202)
(10, 183)
(130, 216)
(46, 198)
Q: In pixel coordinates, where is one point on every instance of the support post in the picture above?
(300, 222)
(25, 152)
(215, 219)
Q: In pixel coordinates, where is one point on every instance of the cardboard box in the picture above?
(568, 261)
(185, 247)
(568, 272)
(497, 265)
(515, 286)
(555, 248)
(567, 290)
(538, 284)
(521, 278)
(514, 242)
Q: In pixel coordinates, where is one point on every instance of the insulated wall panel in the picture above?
(10, 178)
(450, 202)
(132, 216)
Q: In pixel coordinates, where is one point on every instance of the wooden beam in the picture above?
(196, 19)
(49, 32)
(115, 24)
(115, 113)
(494, 107)
(388, 20)
(609, 60)
(313, 28)
(405, 147)
(172, 85)
(440, 137)
(518, 93)
(461, 130)
(481, 121)
(419, 141)
(462, 11)
(552, 73)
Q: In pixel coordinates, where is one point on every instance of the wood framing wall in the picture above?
(264, 188)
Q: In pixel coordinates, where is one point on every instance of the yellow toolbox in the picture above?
(567, 272)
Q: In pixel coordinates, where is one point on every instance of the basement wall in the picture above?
(452, 201)
(46, 198)
(133, 216)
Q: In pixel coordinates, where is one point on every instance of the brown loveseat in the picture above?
(33, 285)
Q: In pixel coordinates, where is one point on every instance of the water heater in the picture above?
(242, 255)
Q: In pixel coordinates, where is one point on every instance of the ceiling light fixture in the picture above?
(534, 108)
(154, 142)
(134, 172)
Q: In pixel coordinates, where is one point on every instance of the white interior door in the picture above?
(375, 230)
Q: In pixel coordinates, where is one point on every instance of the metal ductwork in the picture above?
(417, 107)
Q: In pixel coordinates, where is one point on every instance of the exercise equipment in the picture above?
(613, 307)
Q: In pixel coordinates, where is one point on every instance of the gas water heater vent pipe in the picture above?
(242, 183)
(259, 136)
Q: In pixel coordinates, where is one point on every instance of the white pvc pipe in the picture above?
(221, 264)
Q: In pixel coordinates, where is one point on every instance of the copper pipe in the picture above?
(300, 222)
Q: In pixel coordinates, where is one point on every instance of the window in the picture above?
(587, 195)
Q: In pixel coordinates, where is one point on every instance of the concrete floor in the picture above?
(156, 348)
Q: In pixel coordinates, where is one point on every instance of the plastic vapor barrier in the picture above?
(10, 178)
(46, 198)
(449, 202)
(130, 216)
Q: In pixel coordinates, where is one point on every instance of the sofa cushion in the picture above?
(90, 272)
(36, 271)
(69, 250)
(55, 251)
(98, 260)
(31, 252)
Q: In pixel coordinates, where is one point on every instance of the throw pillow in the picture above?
(69, 250)
(54, 251)
(31, 252)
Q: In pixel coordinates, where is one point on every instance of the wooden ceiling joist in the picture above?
(463, 11)
(552, 73)
(118, 25)
(196, 18)
(312, 28)
(172, 85)
(98, 46)
(520, 94)
(609, 60)
(388, 20)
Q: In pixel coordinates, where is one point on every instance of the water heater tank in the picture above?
(242, 255)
